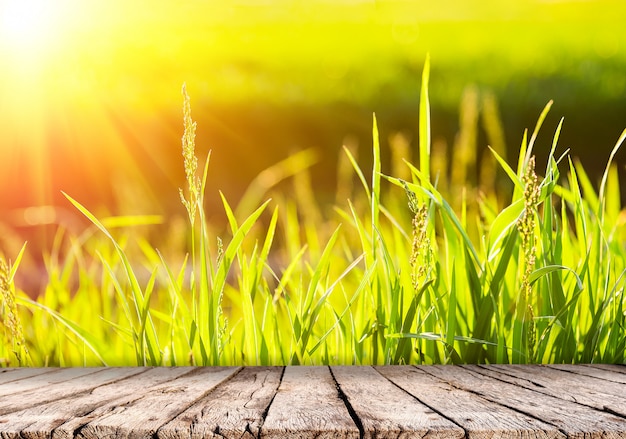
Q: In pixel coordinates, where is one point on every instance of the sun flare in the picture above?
(28, 24)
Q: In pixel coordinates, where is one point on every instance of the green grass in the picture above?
(419, 269)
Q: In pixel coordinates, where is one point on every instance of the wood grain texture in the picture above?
(586, 390)
(235, 409)
(62, 417)
(8, 375)
(480, 418)
(155, 406)
(575, 420)
(385, 411)
(307, 405)
(18, 395)
(594, 372)
(617, 368)
(37, 381)
(477, 402)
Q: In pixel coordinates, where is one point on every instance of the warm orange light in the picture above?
(37, 42)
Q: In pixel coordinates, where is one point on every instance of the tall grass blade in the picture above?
(376, 170)
(601, 192)
(424, 122)
(15, 265)
(531, 143)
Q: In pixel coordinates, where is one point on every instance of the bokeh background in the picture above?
(90, 92)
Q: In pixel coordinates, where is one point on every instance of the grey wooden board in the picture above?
(233, 410)
(617, 368)
(39, 381)
(307, 405)
(56, 385)
(385, 411)
(479, 417)
(142, 417)
(309, 402)
(577, 421)
(8, 375)
(62, 417)
(602, 374)
(548, 375)
(573, 387)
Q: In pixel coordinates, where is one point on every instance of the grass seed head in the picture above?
(413, 204)
(220, 251)
(420, 247)
(526, 228)
(190, 160)
(526, 224)
(12, 320)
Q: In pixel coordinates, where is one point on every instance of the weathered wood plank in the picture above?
(142, 417)
(62, 417)
(571, 387)
(41, 389)
(479, 417)
(9, 375)
(602, 374)
(575, 420)
(387, 412)
(617, 368)
(549, 375)
(307, 405)
(348, 402)
(235, 409)
(38, 381)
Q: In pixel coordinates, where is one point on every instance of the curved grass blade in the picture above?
(605, 176)
(138, 296)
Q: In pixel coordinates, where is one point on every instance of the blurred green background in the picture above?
(93, 107)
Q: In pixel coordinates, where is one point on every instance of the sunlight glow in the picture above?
(91, 87)
(28, 24)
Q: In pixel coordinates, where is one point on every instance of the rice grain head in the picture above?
(420, 247)
(190, 160)
(11, 320)
(526, 227)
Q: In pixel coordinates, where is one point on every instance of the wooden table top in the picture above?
(557, 401)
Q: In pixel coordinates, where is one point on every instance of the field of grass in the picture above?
(419, 266)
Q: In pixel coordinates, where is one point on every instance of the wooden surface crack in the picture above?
(267, 408)
(349, 407)
(434, 409)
